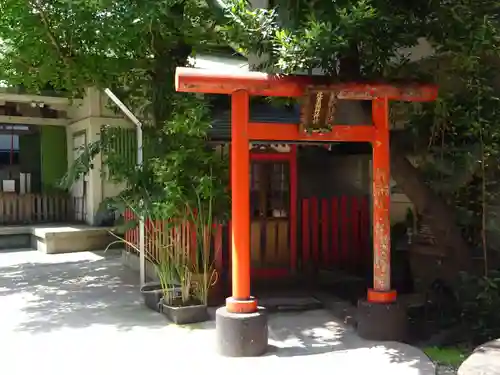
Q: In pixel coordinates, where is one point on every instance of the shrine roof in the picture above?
(264, 113)
(267, 113)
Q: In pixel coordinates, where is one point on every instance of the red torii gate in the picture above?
(241, 325)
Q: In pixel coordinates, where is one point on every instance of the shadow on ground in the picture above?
(310, 333)
(317, 332)
(74, 294)
(46, 295)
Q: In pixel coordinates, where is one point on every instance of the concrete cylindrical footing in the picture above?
(241, 335)
(382, 321)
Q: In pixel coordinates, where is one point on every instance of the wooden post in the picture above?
(293, 209)
(381, 291)
(241, 301)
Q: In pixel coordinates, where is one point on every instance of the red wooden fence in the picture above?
(336, 232)
(159, 234)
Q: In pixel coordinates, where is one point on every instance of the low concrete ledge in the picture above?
(15, 230)
(55, 239)
(71, 239)
(485, 360)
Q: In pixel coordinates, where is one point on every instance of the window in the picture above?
(269, 189)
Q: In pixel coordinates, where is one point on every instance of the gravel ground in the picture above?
(445, 370)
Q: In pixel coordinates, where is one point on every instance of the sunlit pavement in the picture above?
(82, 314)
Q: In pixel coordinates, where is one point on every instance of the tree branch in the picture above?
(53, 40)
(24, 63)
(350, 64)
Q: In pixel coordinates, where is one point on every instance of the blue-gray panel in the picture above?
(221, 125)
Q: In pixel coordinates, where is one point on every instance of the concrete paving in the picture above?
(81, 313)
(485, 360)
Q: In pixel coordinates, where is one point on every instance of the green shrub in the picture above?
(479, 301)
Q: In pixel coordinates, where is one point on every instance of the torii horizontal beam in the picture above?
(290, 133)
(263, 84)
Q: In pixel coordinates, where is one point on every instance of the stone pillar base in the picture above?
(382, 321)
(241, 335)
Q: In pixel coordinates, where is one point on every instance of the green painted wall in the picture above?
(54, 155)
(30, 158)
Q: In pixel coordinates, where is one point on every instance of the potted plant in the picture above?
(185, 304)
(152, 292)
(192, 263)
(205, 280)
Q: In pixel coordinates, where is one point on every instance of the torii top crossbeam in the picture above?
(242, 85)
(262, 84)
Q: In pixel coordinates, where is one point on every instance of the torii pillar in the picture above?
(241, 325)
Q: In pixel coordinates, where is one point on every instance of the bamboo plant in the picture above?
(173, 269)
(190, 265)
(182, 264)
(202, 219)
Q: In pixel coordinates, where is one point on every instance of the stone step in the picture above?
(56, 239)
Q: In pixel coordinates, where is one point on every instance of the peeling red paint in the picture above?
(226, 82)
(261, 84)
(381, 199)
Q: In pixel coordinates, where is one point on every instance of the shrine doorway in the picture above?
(273, 215)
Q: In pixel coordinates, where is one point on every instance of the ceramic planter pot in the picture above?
(152, 294)
(193, 312)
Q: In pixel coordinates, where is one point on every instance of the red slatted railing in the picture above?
(159, 234)
(336, 232)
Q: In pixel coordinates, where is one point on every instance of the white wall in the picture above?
(202, 61)
(82, 126)
(94, 104)
(89, 115)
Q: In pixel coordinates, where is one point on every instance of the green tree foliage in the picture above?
(73, 44)
(454, 139)
(303, 35)
(132, 47)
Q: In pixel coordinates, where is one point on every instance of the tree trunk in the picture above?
(439, 216)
